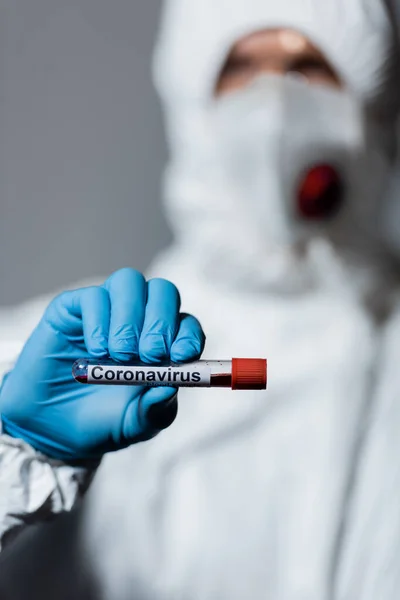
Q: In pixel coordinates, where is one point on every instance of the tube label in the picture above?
(193, 375)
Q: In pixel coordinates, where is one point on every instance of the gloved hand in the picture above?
(127, 318)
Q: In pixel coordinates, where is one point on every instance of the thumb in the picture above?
(156, 410)
(161, 415)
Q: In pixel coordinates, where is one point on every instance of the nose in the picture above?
(320, 193)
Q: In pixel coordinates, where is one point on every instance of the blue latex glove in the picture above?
(127, 318)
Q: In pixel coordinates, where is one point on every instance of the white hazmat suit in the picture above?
(293, 493)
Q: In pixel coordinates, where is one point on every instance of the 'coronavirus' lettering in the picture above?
(173, 375)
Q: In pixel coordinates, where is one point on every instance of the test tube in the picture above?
(237, 374)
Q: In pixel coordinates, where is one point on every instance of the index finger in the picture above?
(190, 340)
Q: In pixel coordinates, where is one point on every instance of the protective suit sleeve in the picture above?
(35, 488)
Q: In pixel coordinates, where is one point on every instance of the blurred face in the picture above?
(274, 51)
(308, 186)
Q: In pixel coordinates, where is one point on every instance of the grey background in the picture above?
(81, 142)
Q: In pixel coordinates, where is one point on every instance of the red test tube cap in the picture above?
(249, 374)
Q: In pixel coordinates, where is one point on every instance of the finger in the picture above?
(156, 410)
(83, 313)
(127, 290)
(161, 321)
(190, 340)
(95, 313)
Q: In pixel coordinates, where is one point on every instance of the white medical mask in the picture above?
(271, 135)
(238, 185)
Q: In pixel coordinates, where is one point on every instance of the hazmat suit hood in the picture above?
(217, 233)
